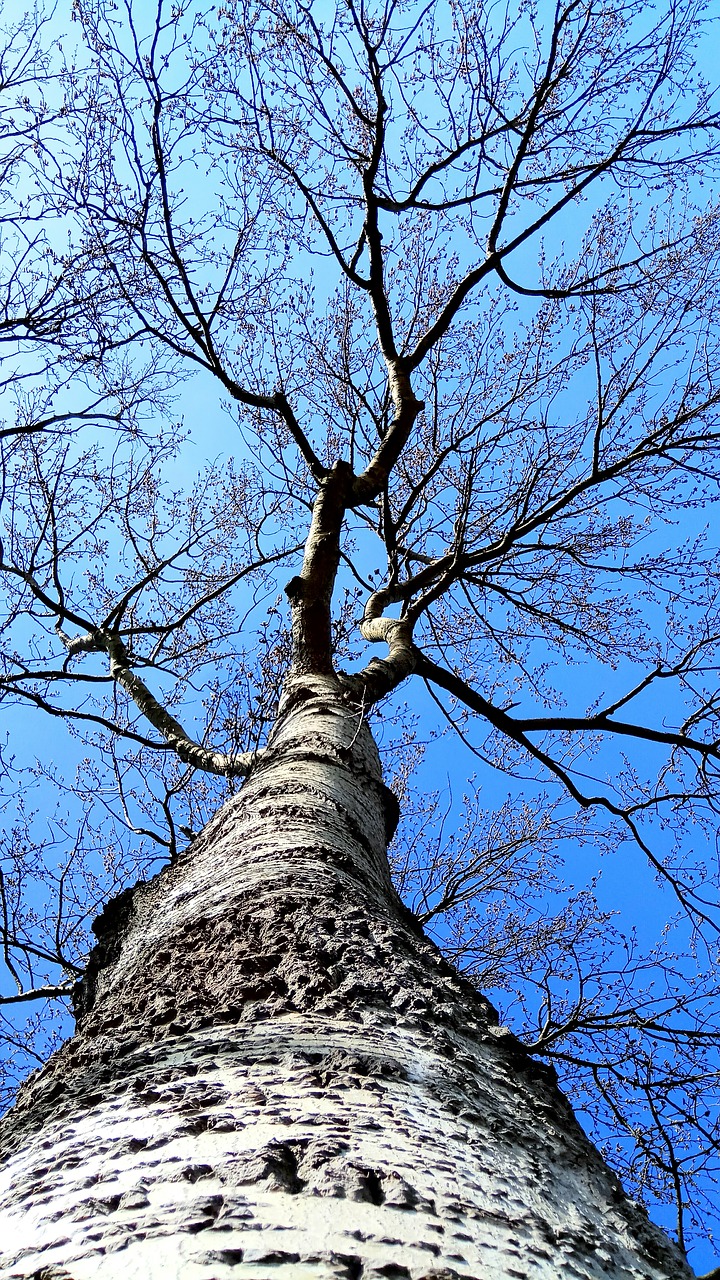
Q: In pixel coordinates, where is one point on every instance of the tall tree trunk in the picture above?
(275, 1073)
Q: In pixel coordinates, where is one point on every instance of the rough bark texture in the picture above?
(275, 1074)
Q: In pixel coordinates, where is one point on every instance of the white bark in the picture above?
(276, 1075)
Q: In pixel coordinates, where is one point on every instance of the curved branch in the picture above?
(382, 675)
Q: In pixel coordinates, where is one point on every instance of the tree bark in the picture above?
(276, 1074)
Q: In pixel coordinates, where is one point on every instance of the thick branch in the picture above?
(373, 479)
(172, 731)
(178, 740)
(310, 593)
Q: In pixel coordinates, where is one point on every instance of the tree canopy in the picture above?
(448, 277)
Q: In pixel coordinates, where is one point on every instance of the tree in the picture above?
(451, 273)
